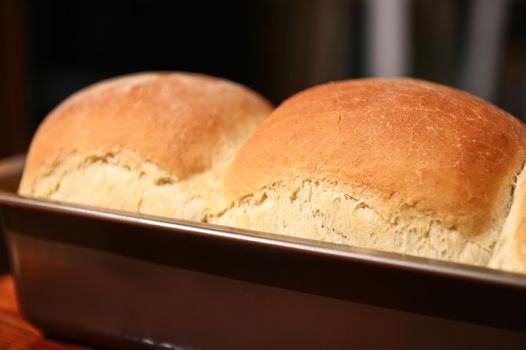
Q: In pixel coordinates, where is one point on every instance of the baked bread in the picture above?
(400, 165)
(152, 143)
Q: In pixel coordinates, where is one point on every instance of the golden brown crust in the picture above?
(417, 144)
(176, 120)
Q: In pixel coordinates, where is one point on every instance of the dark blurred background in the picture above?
(49, 49)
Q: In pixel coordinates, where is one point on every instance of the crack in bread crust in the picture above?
(329, 211)
(124, 180)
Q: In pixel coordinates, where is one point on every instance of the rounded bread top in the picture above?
(177, 120)
(414, 144)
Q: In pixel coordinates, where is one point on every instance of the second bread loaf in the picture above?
(395, 164)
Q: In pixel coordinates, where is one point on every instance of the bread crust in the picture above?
(176, 120)
(417, 145)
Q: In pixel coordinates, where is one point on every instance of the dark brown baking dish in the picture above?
(131, 281)
(10, 171)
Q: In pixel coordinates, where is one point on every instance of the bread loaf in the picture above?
(401, 165)
(152, 143)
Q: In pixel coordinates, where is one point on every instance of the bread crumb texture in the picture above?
(328, 211)
(124, 180)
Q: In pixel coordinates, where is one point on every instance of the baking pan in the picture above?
(10, 171)
(131, 281)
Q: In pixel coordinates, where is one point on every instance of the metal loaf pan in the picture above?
(131, 281)
(10, 171)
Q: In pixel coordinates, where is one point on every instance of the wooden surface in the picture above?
(15, 333)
